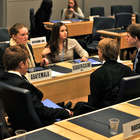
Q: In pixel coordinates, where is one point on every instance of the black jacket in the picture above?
(104, 83)
(46, 115)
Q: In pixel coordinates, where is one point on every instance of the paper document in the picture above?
(55, 73)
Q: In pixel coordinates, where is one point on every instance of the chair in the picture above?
(123, 20)
(137, 18)
(4, 131)
(32, 23)
(97, 11)
(4, 36)
(129, 88)
(121, 9)
(100, 23)
(19, 107)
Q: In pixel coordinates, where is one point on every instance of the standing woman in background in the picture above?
(72, 11)
(60, 47)
(42, 15)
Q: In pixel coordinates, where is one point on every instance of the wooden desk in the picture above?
(37, 49)
(68, 86)
(121, 37)
(70, 130)
(56, 130)
(75, 28)
(124, 107)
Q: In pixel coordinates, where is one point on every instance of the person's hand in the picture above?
(84, 58)
(70, 112)
(46, 51)
(44, 62)
(71, 10)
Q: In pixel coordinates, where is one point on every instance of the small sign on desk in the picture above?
(38, 40)
(39, 75)
(81, 66)
(131, 128)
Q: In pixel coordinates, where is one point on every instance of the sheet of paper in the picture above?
(55, 73)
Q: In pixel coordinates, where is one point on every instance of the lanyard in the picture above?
(62, 55)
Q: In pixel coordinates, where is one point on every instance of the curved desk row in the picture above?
(70, 85)
(91, 126)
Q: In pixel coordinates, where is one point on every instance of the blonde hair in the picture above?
(109, 48)
(75, 9)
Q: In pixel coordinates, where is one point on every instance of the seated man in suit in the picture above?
(104, 82)
(16, 65)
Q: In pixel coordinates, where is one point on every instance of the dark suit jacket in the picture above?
(104, 83)
(138, 65)
(2, 51)
(40, 17)
(46, 115)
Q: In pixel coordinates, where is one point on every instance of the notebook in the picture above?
(49, 103)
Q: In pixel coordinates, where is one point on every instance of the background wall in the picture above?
(13, 11)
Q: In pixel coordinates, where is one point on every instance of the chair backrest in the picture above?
(123, 19)
(121, 9)
(137, 18)
(4, 36)
(129, 88)
(32, 22)
(4, 131)
(101, 23)
(97, 11)
(19, 107)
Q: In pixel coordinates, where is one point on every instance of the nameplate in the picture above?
(91, 18)
(81, 66)
(39, 75)
(38, 40)
(131, 128)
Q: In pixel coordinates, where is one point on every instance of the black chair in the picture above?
(121, 9)
(129, 88)
(137, 18)
(128, 9)
(100, 23)
(4, 36)
(97, 11)
(4, 131)
(19, 107)
(32, 23)
(123, 20)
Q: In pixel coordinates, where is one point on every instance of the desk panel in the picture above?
(68, 86)
(75, 28)
(95, 125)
(37, 49)
(52, 132)
(120, 36)
(98, 122)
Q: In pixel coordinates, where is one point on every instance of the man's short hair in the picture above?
(134, 30)
(14, 55)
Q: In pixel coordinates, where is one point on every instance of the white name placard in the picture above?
(38, 40)
(131, 128)
(81, 66)
(39, 75)
(85, 65)
(76, 68)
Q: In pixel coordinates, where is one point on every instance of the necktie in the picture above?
(136, 61)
